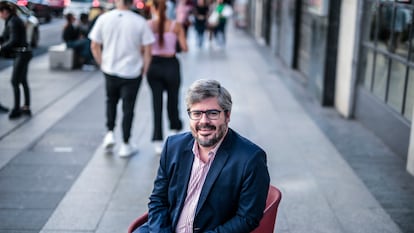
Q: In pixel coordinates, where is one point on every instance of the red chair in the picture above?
(268, 221)
(138, 222)
(266, 225)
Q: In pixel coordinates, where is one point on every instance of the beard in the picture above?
(213, 139)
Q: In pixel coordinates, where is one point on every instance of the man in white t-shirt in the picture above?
(121, 45)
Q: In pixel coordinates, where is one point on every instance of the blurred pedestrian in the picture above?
(77, 40)
(84, 25)
(97, 11)
(121, 45)
(164, 70)
(200, 13)
(224, 11)
(212, 179)
(14, 45)
(183, 11)
(170, 11)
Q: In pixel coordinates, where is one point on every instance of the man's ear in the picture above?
(228, 113)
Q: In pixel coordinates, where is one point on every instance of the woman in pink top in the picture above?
(164, 71)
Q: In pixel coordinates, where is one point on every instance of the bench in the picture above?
(62, 58)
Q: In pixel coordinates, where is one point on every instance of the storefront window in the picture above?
(409, 97)
(382, 27)
(388, 47)
(369, 55)
(396, 85)
(380, 76)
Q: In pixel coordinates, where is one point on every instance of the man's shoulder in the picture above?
(237, 141)
(182, 138)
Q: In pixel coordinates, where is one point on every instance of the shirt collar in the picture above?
(212, 152)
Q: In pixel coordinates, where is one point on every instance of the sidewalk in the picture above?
(321, 193)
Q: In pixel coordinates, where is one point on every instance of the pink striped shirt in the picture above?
(199, 173)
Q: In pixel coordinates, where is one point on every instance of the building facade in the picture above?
(356, 56)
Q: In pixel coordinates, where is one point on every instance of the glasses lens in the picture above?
(195, 115)
(213, 114)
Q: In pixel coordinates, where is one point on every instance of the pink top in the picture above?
(170, 40)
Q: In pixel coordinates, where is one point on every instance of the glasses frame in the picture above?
(207, 112)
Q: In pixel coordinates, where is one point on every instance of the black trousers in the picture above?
(164, 75)
(19, 77)
(118, 88)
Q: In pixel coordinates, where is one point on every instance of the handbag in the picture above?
(227, 11)
(213, 19)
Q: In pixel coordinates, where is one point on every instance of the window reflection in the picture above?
(380, 76)
(390, 27)
(396, 85)
(369, 64)
(409, 98)
(387, 41)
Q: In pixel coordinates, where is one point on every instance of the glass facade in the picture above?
(387, 60)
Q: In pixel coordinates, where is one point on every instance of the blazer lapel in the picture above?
(215, 169)
(184, 173)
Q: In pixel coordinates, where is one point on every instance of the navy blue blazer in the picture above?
(234, 193)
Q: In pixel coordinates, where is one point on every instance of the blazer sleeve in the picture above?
(158, 218)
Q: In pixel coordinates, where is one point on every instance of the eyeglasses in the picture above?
(212, 114)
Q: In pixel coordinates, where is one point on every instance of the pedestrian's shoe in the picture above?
(15, 113)
(158, 147)
(109, 141)
(26, 111)
(126, 150)
(3, 109)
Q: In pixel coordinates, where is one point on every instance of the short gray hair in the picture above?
(207, 88)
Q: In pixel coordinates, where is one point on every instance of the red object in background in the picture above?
(22, 3)
(140, 5)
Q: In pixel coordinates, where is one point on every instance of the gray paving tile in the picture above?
(24, 184)
(56, 156)
(29, 200)
(18, 231)
(33, 219)
(116, 221)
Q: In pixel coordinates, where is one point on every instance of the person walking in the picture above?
(224, 11)
(200, 13)
(182, 10)
(14, 45)
(121, 45)
(211, 179)
(164, 71)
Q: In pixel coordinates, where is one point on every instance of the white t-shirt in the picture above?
(121, 33)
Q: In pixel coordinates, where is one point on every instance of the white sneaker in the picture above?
(109, 141)
(158, 147)
(126, 150)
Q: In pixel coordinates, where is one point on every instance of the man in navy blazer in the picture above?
(212, 179)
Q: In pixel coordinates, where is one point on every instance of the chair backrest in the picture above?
(138, 222)
(268, 221)
(266, 225)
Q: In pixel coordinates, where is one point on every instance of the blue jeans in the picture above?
(82, 47)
